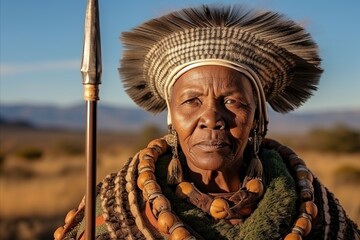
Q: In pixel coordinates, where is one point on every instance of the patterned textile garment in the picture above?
(122, 213)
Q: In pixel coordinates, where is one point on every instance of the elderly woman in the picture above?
(216, 176)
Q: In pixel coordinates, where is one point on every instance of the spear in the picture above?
(91, 73)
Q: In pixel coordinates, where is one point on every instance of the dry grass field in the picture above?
(36, 193)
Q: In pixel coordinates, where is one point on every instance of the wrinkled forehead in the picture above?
(221, 80)
(215, 70)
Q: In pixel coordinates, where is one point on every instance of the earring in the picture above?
(174, 173)
(255, 169)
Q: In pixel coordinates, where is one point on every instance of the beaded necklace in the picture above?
(169, 224)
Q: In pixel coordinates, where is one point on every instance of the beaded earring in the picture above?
(174, 173)
(255, 169)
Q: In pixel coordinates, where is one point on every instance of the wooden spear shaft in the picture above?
(91, 69)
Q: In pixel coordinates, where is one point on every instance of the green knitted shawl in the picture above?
(273, 216)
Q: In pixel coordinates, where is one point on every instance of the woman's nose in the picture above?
(212, 119)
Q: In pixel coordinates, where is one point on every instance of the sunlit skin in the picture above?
(212, 109)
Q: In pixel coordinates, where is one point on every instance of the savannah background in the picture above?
(42, 171)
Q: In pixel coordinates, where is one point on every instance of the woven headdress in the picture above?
(277, 50)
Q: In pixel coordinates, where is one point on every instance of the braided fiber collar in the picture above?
(278, 50)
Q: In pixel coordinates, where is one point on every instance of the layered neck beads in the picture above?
(304, 180)
(235, 207)
(168, 223)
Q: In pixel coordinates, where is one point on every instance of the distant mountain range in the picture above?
(121, 118)
(73, 117)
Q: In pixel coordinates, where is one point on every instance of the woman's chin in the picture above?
(209, 161)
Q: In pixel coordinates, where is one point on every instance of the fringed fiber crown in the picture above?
(278, 50)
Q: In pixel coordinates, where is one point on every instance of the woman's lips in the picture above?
(212, 145)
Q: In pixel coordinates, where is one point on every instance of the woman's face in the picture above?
(212, 109)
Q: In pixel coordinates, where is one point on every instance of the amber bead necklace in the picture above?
(170, 224)
(234, 207)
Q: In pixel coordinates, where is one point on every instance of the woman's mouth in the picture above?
(212, 145)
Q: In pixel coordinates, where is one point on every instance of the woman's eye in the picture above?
(236, 103)
(229, 101)
(192, 101)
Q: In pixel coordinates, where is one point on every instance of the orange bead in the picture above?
(160, 143)
(70, 216)
(148, 164)
(184, 189)
(180, 233)
(305, 224)
(255, 186)
(148, 153)
(151, 188)
(58, 233)
(310, 208)
(303, 172)
(143, 177)
(160, 203)
(219, 208)
(306, 194)
(165, 221)
(293, 236)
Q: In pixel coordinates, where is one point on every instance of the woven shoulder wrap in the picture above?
(120, 203)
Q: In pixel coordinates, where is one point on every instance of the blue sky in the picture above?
(41, 46)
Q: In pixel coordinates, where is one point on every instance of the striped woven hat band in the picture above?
(279, 51)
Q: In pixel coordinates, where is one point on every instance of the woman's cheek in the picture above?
(242, 129)
(183, 119)
(184, 125)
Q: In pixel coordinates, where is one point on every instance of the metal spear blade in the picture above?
(91, 66)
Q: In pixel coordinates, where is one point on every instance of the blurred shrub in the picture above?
(347, 174)
(30, 153)
(338, 139)
(70, 148)
(19, 172)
